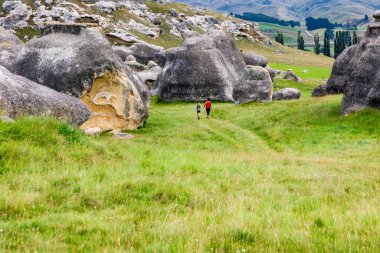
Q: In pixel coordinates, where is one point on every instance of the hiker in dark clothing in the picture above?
(199, 108)
(208, 107)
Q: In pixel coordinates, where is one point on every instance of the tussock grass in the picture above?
(289, 176)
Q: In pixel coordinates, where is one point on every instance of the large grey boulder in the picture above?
(79, 61)
(256, 87)
(338, 78)
(255, 59)
(21, 96)
(10, 46)
(357, 71)
(209, 66)
(286, 94)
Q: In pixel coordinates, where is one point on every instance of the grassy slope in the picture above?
(291, 34)
(286, 55)
(281, 176)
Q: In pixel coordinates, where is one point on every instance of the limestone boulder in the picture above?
(256, 87)
(286, 94)
(271, 72)
(357, 72)
(107, 6)
(255, 59)
(320, 91)
(144, 52)
(211, 66)
(17, 16)
(338, 78)
(20, 96)
(152, 32)
(149, 77)
(10, 5)
(79, 61)
(290, 75)
(203, 66)
(10, 46)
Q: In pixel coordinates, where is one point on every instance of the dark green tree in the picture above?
(282, 39)
(339, 44)
(354, 38)
(317, 45)
(349, 40)
(300, 41)
(279, 38)
(326, 45)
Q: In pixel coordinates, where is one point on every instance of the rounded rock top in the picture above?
(376, 15)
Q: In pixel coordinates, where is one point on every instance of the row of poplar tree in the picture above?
(342, 40)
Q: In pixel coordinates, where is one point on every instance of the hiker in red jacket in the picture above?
(208, 107)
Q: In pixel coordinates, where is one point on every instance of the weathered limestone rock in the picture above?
(144, 52)
(256, 87)
(149, 31)
(121, 37)
(255, 59)
(320, 91)
(338, 78)
(10, 46)
(149, 77)
(211, 66)
(286, 94)
(204, 66)
(290, 75)
(79, 61)
(18, 14)
(357, 71)
(134, 65)
(271, 72)
(21, 96)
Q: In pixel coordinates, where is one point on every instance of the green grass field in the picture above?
(291, 34)
(289, 176)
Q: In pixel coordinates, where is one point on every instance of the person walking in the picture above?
(208, 107)
(199, 108)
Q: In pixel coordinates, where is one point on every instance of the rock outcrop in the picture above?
(211, 65)
(125, 20)
(21, 96)
(286, 94)
(10, 46)
(79, 61)
(357, 71)
(18, 14)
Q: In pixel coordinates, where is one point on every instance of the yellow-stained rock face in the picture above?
(112, 103)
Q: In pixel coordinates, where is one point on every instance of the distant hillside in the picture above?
(335, 10)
